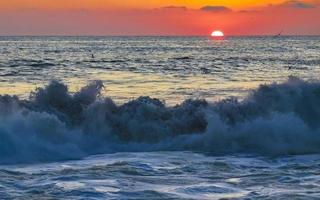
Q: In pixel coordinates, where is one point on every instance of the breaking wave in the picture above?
(53, 124)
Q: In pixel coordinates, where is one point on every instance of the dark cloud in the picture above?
(298, 4)
(215, 9)
(174, 8)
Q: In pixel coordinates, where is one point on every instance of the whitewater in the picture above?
(94, 128)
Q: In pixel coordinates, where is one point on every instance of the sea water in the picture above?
(159, 118)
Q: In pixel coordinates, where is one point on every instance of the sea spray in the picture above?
(53, 124)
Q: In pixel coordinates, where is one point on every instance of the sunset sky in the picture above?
(159, 17)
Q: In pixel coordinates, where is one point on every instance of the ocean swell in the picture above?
(53, 124)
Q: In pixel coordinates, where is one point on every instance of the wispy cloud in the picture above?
(215, 9)
(297, 4)
(174, 8)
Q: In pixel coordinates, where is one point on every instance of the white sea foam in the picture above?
(276, 119)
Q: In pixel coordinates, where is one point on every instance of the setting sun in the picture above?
(217, 34)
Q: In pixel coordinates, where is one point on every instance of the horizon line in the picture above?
(154, 35)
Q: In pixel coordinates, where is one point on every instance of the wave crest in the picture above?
(275, 119)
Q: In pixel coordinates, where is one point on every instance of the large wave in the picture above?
(53, 124)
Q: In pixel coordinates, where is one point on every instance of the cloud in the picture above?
(174, 8)
(298, 4)
(215, 9)
(248, 11)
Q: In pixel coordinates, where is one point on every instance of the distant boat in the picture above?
(279, 34)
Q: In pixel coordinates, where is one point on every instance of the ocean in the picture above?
(160, 117)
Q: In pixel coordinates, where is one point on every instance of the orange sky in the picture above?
(128, 4)
(158, 17)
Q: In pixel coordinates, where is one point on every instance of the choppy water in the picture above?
(76, 138)
(163, 175)
(170, 68)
